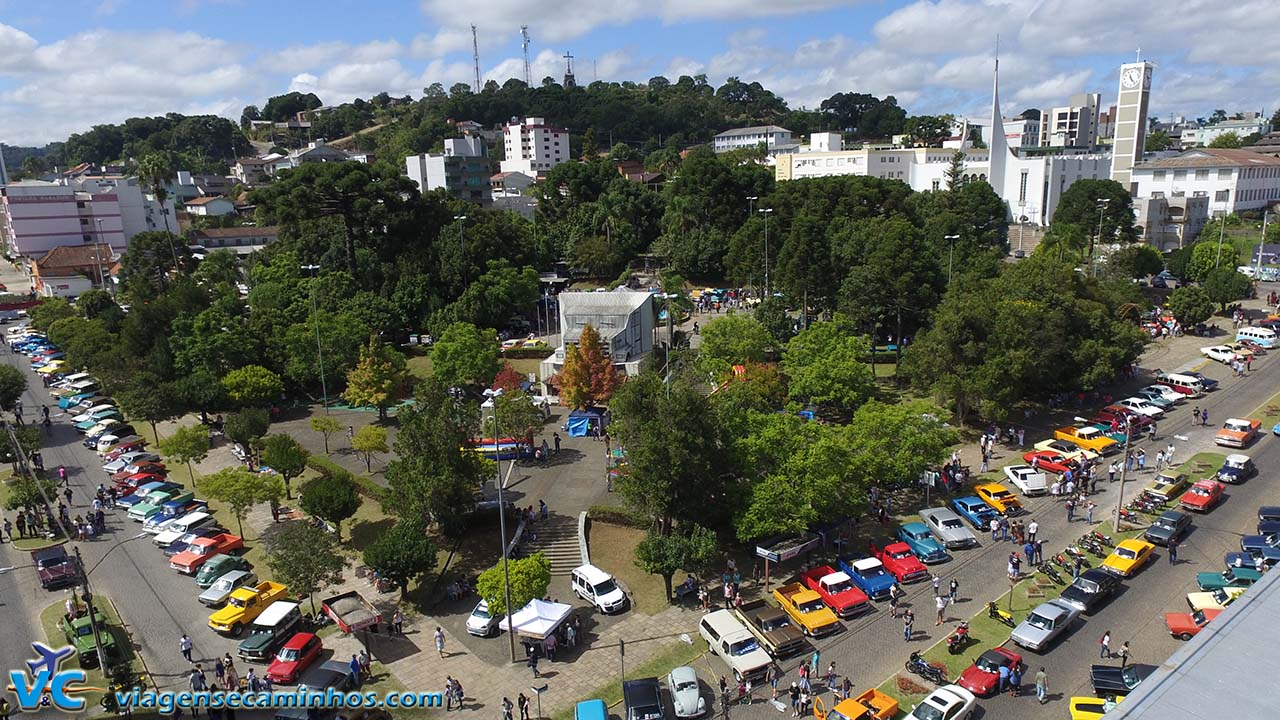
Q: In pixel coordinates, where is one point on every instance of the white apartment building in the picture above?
(533, 147)
(770, 136)
(1233, 180)
(140, 211)
(1200, 136)
(1020, 133)
(1075, 125)
(38, 216)
(463, 169)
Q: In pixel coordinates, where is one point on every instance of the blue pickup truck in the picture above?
(973, 509)
(869, 575)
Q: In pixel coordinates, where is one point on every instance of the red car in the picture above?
(1202, 496)
(837, 590)
(122, 449)
(201, 549)
(1185, 625)
(983, 676)
(1050, 460)
(300, 651)
(142, 467)
(1116, 415)
(900, 561)
(136, 480)
(1254, 347)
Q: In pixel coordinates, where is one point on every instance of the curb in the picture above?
(582, 538)
(148, 677)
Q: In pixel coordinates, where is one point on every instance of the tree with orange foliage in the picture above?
(507, 379)
(589, 377)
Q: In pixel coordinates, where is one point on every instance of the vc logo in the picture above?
(44, 683)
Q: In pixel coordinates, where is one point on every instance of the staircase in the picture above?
(558, 540)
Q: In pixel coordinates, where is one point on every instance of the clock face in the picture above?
(1131, 77)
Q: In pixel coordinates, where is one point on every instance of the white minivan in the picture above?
(598, 588)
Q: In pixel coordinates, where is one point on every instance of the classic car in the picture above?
(1118, 416)
(1167, 485)
(79, 632)
(154, 502)
(1231, 577)
(1051, 461)
(1043, 624)
(1209, 383)
(922, 542)
(1237, 432)
(1169, 525)
(999, 498)
(128, 459)
(1128, 557)
(978, 513)
(1248, 559)
(1155, 397)
(1202, 496)
(899, 561)
(1067, 449)
(807, 609)
(142, 492)
(1253, 346)
(1112, 680)
(55, 567)
(1237, 469)
(297, 653)
(183, 542)
(1087, 437)
(216, 567)
(1219, 353)
(1028, 480)
(836, 590)
(983, 676)
(686, 694)
(1084, 707)
(204, 549)
(1185, 625)
(221, 589)
(1214, 599)
(772, 627)
(1089, 591)
(1142, 406)
(139, 468)
(949, 702)
(1164, 391)
(948, 527)
(642, 699)
(870, 575)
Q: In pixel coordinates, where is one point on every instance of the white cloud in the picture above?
(309, 57)
(16, 47)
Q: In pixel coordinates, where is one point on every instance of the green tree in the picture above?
(153, 402)
(1136, 261)
(332, 498)
(588, 376)
(734, 339)
(928, 130)
(377, 379)
(1207, 257)
(1228, 140)
(690, 550)
(13, 383)
(516, 415)
(150, 263)
(826, 365)
(49, 311)
(187, 444)
(1191, 305)
(465, 356)
(326, 425)
(253, 386)
(241, 489)
(530, 578)
(201, 390)
(306, 558)
(156, 172)
(28, 442)
(30, 493)
(772, 314)
(368, 440)
(1226, 285)
(286, 456)
(246, 426)
(1079, 206)
(402, 554)
(1158, 140)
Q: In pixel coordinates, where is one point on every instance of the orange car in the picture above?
(1237, 433)
(1184, 625)
(1202, 496)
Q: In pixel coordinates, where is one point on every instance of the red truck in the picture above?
(899, 561)
(201, 549)
(836, 590)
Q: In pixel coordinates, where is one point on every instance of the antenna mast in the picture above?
(475, 56)
(524, 44)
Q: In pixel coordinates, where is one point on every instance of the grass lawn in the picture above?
(420, 365)
(657, 666)
(367, 525)
(612, 548)
(1268, 412)
(49, 623)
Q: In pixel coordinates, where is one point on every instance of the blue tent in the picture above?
(581, 423)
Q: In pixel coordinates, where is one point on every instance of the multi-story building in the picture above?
(1167, 222)
(533, 147)
(70, 270)
(624, 318)
(768, 135)
(1232, 180)
(140, 210)
(240, 240)
(463, 169)
(1075, 125)
(1251, 123)
(39, 216)
(1021, 132)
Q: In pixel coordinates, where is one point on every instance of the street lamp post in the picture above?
(1102, 206)
(751, 204)
(88, 596)
(315, 318)
(952, 255)
(1124, 466)
(766, 212)
(1222, 230)
(494, 394)
(462, 251)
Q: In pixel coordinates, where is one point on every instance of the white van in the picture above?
(1266, 337)
(1185, 384)
(598, 588)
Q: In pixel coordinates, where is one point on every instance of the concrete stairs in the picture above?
(558, 540)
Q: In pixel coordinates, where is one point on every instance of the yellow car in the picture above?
(1092, 708)
(1214, 599)
(1128, 557)
(999, 498)
(1168, 485)
(1069, 450)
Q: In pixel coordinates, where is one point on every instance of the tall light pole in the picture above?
(462, 252)
(97, 255)
(494, 394)
(751, 204)
(315, 318)
(952, 255)
(1102, 206)
(1222, 230)
(766, 212)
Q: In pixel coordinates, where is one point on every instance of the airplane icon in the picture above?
(49, 659)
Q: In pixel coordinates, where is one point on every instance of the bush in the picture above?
(527, 353)
(615, 515)
(907, 686)
(364, 484)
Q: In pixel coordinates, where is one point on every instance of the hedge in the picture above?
(527, 353)
(364, 484)
(615, 515)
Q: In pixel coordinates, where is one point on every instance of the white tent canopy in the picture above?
(538, 619)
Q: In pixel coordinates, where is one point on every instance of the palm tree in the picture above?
(154, 171)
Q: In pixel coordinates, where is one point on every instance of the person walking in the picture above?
(1042, 685)
(1159, 460)
(1105, 643)
(775, 675)
(937, 584)
(954, 588)
(533, 663)
(439, 639)
(397, 622)
(1173, 551)
(893, 600)
(1032, 528)
(522, 703)
(1124, 654)
(1195, 414)
(5, 709)
(1015, 681)
(907, 619)
(995, 529)
(1204, 417)
(184, 645)
(1071, 510)
(794, 693)
(1088, 512)
(1168, 454)
(941, 603)
(507, 707)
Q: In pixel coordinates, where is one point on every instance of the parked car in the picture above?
(1169, 526)
(1231, 577)
(948, 528)
(1237, 469)
(1167, 485)
(1051, 461)
(1113, 680)
(222, 588)
(1219, 353)
(1029, 481)
(983, 676)
(922, 542)
(295, 656)
(1168, 393)
(1155, 397)
(55, 567)
(978, 513)
(1089, 591)
(1044, 624)
(1203, 496)
(1214, 599)
(898, 559)
(870, 575)
(481, 622)
(1128, 557)
(1068, 449)
(686, 693)
(642, 699)
(1000, 499)
(598, 588)
(1237, 432)
(1186, 625)
(949, 702)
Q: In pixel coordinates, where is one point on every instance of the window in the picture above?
(1157, 195)
(1022, 188)
(1179, 175)
(1222, 196)
(1202, 174)
(937, 185)
(1224, 174)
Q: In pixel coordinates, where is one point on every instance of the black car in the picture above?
(334, 674)
(1089, 591)
(1169, 526)
(1112, 680)
(643, 699)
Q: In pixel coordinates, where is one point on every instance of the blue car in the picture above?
(923, 543)
(70, 401)
(1209, 383)
(1244, 559)
(869, 575)
(978, 513)
(1262, 545)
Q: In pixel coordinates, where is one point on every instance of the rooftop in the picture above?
(71, 257)
(621, 302)
(237, 232)
(1210, 157)
(753, 130)
(204, 200)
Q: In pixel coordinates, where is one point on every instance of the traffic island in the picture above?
(125, 665)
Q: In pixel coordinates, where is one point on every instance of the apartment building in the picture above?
(770, 136)
(38, 216)
(1073, 125)
(533, 147)
(463, 169)
(1232, 180)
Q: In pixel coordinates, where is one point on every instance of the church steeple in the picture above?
(998, 149)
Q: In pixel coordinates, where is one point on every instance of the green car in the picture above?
(217, 566)
(79, 634)
(154, 503)
(1231, 577)
(96, 418)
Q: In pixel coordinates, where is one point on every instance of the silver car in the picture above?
(225, 585)
(948, 528)
(686, 694)
(1043, 624)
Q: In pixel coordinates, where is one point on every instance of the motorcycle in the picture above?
(1128, 516)
(1105, 540)
(1062, 562)
(1048, 570)
(1077, 554)
(957, 641)
(1003, 616)
(918, 666)
(1094, 548)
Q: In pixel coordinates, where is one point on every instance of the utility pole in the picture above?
(475, 56)
(524, 45)
(766, 212)
(952, 256)
(1102, 206)
(93, 621)
(1124, 469)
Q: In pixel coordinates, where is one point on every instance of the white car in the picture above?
(481, 622)
(949, 702)
(1030, 481)
(1219, 353)
(1166, 392)
(1071, 451)
(91, 412)
(128, 459)
(1142, 406)
(686, 694)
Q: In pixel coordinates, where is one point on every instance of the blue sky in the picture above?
(67, 65)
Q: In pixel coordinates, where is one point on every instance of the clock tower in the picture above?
(1131, 119)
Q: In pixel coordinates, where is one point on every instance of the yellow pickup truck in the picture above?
(244, 606)
(870, 705)
(807, 609)
(1087, 438)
